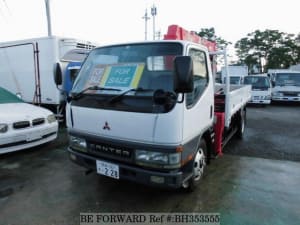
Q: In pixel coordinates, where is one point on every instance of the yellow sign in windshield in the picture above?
(122, 76)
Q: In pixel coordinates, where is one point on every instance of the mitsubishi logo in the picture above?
(106, 126)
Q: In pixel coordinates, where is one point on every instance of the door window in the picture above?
(200, 76)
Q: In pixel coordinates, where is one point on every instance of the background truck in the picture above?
(150, 112)
(236, 74)
(286, 85)
(27, 67)
(261, 88)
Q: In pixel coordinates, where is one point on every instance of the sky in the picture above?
(111, 21)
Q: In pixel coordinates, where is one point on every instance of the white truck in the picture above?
(150, 112)
(261, 88)
(236, 74)
(27, 67)
(286, 85)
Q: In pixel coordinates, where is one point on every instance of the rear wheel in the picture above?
(199, 165)
(241, 124)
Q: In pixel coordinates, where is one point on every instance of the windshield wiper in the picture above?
(96, 88)
(119, 97)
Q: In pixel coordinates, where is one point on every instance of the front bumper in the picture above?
(27, 138)
(252, 101)
(286, 99)
(171, 179)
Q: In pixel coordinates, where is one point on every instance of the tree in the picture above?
(276, 49)
(210, 34)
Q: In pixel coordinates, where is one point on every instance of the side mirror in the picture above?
(159, 97)
(58, 74)
(183, 74)
(273, 83)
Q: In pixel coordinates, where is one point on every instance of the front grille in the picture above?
(110, 151)
(292, 94)
(21, 124)
(38, 121)
(85, 46)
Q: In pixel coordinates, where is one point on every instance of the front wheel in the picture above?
(199, 165)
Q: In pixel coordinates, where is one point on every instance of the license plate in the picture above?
(107, 169)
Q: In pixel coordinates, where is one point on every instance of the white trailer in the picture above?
(27, 67)
(235, 73)
(150, 112)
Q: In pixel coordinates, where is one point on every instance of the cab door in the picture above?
(199, 107)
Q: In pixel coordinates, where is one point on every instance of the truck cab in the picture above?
(261, 88)
(70, 74)
(286, 86)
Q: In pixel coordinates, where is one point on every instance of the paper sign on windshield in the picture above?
(95, 78)
(122, 75)
(96, 75)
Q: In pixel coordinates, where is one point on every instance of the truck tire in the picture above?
(241, 124)
(199, 164)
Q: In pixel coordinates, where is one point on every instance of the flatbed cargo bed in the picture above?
(238, 96)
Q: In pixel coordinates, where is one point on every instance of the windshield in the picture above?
(7, 97)
(257, 82)
(124, 67)
(287, 79)
(234, 80)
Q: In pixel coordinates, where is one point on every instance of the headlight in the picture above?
(3, 127)
(78, 143)
(51, 118)
(158, 159)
